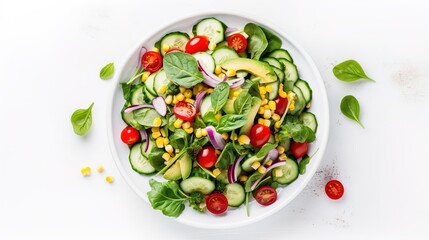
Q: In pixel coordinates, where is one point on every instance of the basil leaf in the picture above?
(231, 122)
(182, 69)
(81, 120)
(219, 96)
(350, 71)
(243, 103)
(303, 163)
(226, 157)
(350, 108)
(274, 42)
(265, 149)
(126, 91)
(107, 71)
(166, 197)
(256, 42)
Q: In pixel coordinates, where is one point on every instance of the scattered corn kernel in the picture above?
(263, 96)
(209, 90)
(256, 165)
(163, 133)
(204, 132)
(283, 156)
(272, 105)
(157, 122)
(188, 93)
(165, 47)
(225, 136)
(276, 117)
(166, 141)
(269, 162)
(145, 75)
(269, 88)
(262, 169)
(216, 172)
(155, 129)
(218, 70)
(198, 88)
(221, 75)
(262, 90)
(231, 73)
(159, 142)
(178, 123)
(166, 156)
(155, 49)
(261, 121)
(277, 124)
(180, 97)
(308, 105)
(276, 137)
(267, 113)
(280, 149)
(278, 172)
(189, 130)
(243, 139)
(186, 124)
(218, 116)
(109, 179)
(86, 171)
(267, 123)
(100, 168)
(156, 135)
(168, 99)
(169, 149)
(243, 178)
(267, 107)
(198, 133)
(236, 93)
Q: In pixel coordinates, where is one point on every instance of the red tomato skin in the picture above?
(207, 157)
(197, 44)
(266, 195)
(334, 189)
(130, 135)
(237, 42)
(259, 135)
(151, 61)
(299, 149)
(217, 203)
(281, 104)
(184, 111)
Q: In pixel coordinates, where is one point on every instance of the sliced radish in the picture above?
(160, 105)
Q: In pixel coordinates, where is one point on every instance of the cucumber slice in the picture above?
(197, 184)
(290, 70)
(150, 82)
(137, 95)
(151, 143)
(275, 85)
(286, 144)
(235, 194)
(139, 162)
(309, 120)
(161, 80)
(273, 62)
(281, 53)
(174, 40)
(211, 28)
(299, 102)
(290, 172)
(206, 106)
(206, 59)
(223, 176)
(148, 96)
(222, 54)
(305, 89)
(280, 74)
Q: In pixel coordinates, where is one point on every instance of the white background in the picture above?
(50, 57)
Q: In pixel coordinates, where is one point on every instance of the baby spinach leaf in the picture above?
(274, 42)
(219, 96)
(179, 139)
(252, 88)
(252, 178)
(81, 120)
(226, 157)
(350, 108)
(256, 42)
(265, 149)
(166, 197)
(182, 69)
(243, 103)
(350, 71)
(231, 122)
(107, 71)
(294, 128)
(126, 91)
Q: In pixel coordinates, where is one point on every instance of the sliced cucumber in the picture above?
(222, 54)
(148, 95)
(273, 94)
(207, 60)
(299, 101)
(151, 143)
(290, 172)
(235, 194)
(206, 105)
(197, 184)
(290, 70)
(211, 28)
(150, 82)
(309, 120)
(139, 162)
(280, 74)
(281, 53)
(273, 62)
(174, 40)
(223, 176)
(161, 80)
(137, 95)
(306, 90)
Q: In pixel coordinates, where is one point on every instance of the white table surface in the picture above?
(50, 56)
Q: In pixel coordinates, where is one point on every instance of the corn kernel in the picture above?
(276, 117)
(188, 93)
(218, 116)
(308, 105)
(233, 136)
(163, 133)
(178, 123)
(256, 165)
(166, 156)
(264, 102)
(269, 162)
(198, 88)
(262, 169)
(267, 113)
(218, 70)
(269, 88)
(267, 107)
(155, 129)
(236, 93)
(280, 149)
(155, 50)
(243, 178)
(175, 101)
(204, 132)
(282, 94)
(216, 172)
(267, 123)
(100, 169)
(243, 139)
(162, 89)
(166, 141)
(145, 75)
(168, 99)
(182, 89)
(109, 179)
(86, 171)
(156, 135)
(198, 133)
(189, 130)
(221, 75)
(180, 97)
(263, 96)
(186, 125)
(212, 46)
(272, 105)
(261, 110)
(261, 121)
(165, 47)
(231, 73)
(292, 106)
(283, 156)
(190, 100)
(157, 122)
(278, 172)
(169, 149)
(277, 124)
(262, 90)
(225, 136)
(210, 90)
(159, 142)
(218, 152)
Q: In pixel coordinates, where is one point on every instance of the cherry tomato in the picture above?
(259, 135)
(130, 135)
(266, 195)
(207, 157)
(184, 111)
(334, 189)
(237, 42)
(217, 203)
(152, 61)
(299, 149)
(281, 104)
(197, 44)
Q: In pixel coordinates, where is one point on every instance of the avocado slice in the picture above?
(185, 163)
(256, 103)
(173, 173)
(260, 69)
(229, 106)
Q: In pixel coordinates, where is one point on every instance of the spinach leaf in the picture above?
(265, 149)
(243, 103)
(210, 119)
(256, 42)
(351, 109)
(171, 118)
(196, 199)
(240, 149)
(182, 69)
(252, 88)
(231, 122)
(81, 120)
(166, 197)
(226, 157)
(179, 139)
(196, 146)
(107, 71)
(303, 163)
(350, 71)
(155, 158)
(294, 128)
(274, 42)
(219, 96)
(252, 178)
(126, 91)
(199, 123)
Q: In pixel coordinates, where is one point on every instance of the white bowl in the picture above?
(234, 217)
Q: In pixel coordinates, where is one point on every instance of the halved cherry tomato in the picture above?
(207, 157)
(130, 135)
(281, 104)
(265, 195)
(299, 149)
(197, 44)
(237, 42)
(184, 111)
(152, 61)
(259, 135)
(334, 189)
(217, 203)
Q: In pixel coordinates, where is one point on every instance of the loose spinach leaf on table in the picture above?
(81, 120)
(350, 71)
(231, 122)
(182, 69)
(294, 128)
(350, 108)
(256, 42)
(107, 71)
(274, 42)
(226, 157)
(243, 103)
(166, 197)
(219, 96)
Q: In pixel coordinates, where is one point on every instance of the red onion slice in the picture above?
(144, 136)
(276, 164)
(198, 100)
(230, 30)
(142, 51)
(234, 83)
(160, 105)
(135, 107)
(233, 170)
(216, 139)
(209, 78)
(273, 154)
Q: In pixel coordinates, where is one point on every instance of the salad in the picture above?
(221, 114)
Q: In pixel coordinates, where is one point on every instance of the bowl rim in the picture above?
(240, 14)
